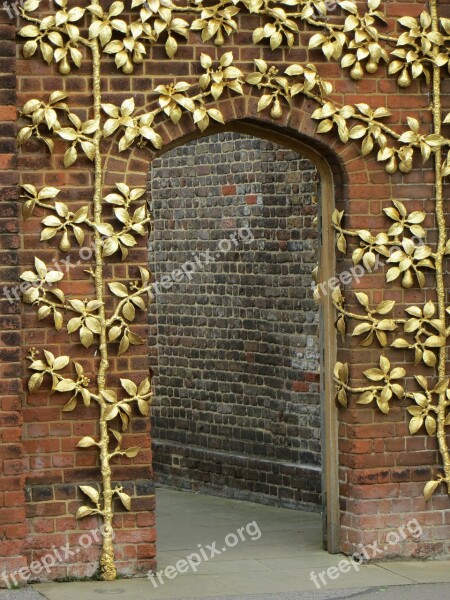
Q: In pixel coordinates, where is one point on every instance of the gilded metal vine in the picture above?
(124, 32)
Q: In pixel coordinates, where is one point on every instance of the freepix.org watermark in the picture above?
(201, 259)
(355, 273)
(184, 272)
(13, 8)
(192, 562)
(12, 293)
(58, 555)
(367, 552)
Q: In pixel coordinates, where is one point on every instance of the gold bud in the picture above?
(219, 38)
(357, 71)
(371, 66)
(128, 67)
(276, 110)
(407, 280)
(64, 67)
(404, 80)
(391, 166)
(64, 244)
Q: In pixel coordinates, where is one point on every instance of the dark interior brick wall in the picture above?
(237, 402)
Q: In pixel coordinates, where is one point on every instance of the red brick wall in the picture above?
(382, 469)
(53, 468)
(12, 499)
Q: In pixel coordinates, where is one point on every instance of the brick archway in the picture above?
(241, 116)
(48, 494)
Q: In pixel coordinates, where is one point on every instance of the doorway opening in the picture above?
(237, 336)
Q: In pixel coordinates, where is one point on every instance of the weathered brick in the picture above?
(270, 402)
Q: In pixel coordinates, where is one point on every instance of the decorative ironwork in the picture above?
(357, 39)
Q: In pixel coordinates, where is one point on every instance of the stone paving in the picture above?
(275, 565)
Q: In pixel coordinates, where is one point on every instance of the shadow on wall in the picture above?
(234, 327)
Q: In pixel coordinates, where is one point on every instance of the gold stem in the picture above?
(356, 390)
(354, 233)
(365, 317)
(107, 566)
(440, 218)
